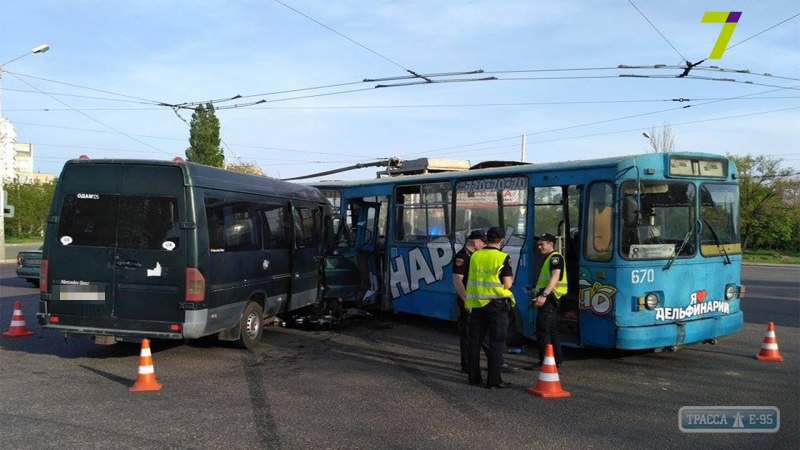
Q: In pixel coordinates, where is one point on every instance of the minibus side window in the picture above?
(306, 225)
(273, 223)
(230, 226)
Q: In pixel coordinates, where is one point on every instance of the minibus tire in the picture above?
(251, 326)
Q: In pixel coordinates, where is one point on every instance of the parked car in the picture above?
(28, 264)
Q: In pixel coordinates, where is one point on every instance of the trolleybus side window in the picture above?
(599, 228)
(548, 210)
(489, 202)
(423, 212)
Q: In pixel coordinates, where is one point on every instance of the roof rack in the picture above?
(425, 165)
(491, 164)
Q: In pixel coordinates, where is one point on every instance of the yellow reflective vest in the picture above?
(483, 283)
(544, 276)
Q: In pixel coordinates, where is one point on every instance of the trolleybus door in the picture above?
(366, 251)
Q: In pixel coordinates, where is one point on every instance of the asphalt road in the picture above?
(388, 383)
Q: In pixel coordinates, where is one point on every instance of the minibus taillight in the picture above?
(195, 285)
(43, 276)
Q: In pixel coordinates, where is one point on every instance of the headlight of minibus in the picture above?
(730, 291)
(651, 300)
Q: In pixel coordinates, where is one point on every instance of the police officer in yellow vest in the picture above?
(552, 284)
(489, 297)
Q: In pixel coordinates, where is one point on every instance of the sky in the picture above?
(116, 69)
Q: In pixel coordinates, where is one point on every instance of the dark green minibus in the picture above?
(175, 250)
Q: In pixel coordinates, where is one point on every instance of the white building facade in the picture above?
(17, 157)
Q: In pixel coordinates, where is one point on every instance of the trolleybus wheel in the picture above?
(251, 326)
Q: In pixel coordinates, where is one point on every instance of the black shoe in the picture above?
(476, 383)
(508, 368)
(533, 367)
(502, 385)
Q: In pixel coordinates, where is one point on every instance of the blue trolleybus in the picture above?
(651, 242)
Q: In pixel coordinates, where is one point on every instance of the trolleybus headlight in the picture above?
(730, 291)
(651, 300)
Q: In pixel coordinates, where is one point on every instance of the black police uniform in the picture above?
(461, 267)
(489, 321)
(547, 318)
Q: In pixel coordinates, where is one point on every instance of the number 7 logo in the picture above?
(730, 19)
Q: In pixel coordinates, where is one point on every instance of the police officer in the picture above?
(475, 241)
(550, 286)
(489, 298)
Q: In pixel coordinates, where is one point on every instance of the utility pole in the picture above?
(524, 149)
(40, 49)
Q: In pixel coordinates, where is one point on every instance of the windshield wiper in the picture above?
(718, 242)
(680, 249)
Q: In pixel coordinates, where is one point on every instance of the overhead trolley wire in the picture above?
(342, 35)
(601, 121)
(761, 32)
(93, 119)
(259, 147)
(605, 133)
(657, 31)
(78, 86)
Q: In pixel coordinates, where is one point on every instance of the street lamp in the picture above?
(646, 134)
(38, 49)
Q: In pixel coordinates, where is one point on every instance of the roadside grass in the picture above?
(30, 240)
(770, 257)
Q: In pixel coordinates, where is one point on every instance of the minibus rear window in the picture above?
(88, 219)
(93, 220)
(149, 222)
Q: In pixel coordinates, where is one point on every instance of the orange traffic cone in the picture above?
(769, 348)
(548, 385)
(146, 378)
(18, 327)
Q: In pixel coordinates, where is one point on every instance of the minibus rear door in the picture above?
(150, 260)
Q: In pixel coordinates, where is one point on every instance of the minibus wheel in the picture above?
(251, 326)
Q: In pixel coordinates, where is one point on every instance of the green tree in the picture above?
(768, 202)
(204, 138)
(32, 204)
